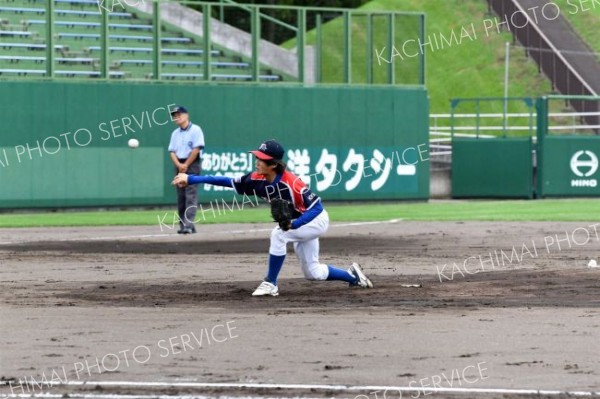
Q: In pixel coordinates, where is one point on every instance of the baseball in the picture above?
(133, 143)
(592, 263)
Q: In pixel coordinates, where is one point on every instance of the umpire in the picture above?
(187, 143)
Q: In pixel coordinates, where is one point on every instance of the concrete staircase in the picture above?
(233, 39)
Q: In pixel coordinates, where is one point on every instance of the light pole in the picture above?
(506, 62)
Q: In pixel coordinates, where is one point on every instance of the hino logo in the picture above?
(584, 166)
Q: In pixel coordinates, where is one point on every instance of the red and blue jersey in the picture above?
(306, 204)
(286, 186)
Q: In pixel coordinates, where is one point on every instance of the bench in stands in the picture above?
(194, 76)
(93, 13)
(175, 51)
(75, 60)
(31, 46)
(23, 72)
(218, 76)
(123, 49)
(21, 10)
(94, 2)
(14, 33)
(181, 63)
(90, 74)
(17, 58)
(42, 72)
(122, 38)
(72, 24)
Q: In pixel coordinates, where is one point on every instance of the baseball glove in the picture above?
(281, 213)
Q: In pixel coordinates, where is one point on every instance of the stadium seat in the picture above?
(92, 13)
(23, 72)
(91, 2)
(123, 49)
(112, 74)
(12, 33)
(76, 60)
(175, 51)
(29, 46)
(21, 10)
(90, 25)
(77, 38)
(17, 58)
(96, 36)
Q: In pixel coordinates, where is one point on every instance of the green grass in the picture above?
(541, 210)
(584, 16)
(474, 68)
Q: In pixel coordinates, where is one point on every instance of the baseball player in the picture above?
(272, 182)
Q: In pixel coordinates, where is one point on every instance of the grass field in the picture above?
(545, 210)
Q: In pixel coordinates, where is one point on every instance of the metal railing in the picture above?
(484, 125)
(554, 63)
(480, 104)
(341, 50)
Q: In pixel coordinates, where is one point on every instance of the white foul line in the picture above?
(162, 396)
(347, 388)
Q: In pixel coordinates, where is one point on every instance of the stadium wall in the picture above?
(64, 144)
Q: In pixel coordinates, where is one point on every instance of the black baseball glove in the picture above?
(281, 213)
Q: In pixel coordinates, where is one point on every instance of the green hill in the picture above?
(473, 68)
(585, 18)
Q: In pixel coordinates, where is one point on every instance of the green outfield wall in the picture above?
(65, 144)
(570, 167)
(492, 168)
(568, 164)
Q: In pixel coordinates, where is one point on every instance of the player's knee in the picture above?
(277, 234)
(317, 271)
(278, 243)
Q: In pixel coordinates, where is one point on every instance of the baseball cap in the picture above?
(269, 150)
(180, 108)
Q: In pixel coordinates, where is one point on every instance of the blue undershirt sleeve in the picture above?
(214, 180)
(308, 216)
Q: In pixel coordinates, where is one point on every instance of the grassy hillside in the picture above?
(585, 18)
(475, 67)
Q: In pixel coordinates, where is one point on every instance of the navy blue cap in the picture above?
(179, 109)
(269, 150)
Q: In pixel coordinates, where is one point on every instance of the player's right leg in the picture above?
(308, 255)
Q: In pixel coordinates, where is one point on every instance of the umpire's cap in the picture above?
(269, 150)
(179, 109)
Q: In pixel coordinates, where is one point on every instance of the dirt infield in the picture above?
(145, 306)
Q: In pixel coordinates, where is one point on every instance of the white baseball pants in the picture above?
(306, 245)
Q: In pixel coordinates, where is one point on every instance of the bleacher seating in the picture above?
(77, 35)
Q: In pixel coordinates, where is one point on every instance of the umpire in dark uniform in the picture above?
(187, 143)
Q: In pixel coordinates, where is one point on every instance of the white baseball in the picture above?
(133, 143)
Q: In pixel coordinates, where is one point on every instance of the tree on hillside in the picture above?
(274, 32)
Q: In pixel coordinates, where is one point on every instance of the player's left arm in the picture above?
(183, 180)
(308, 216)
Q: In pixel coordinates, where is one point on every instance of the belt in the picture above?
(185, 159)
